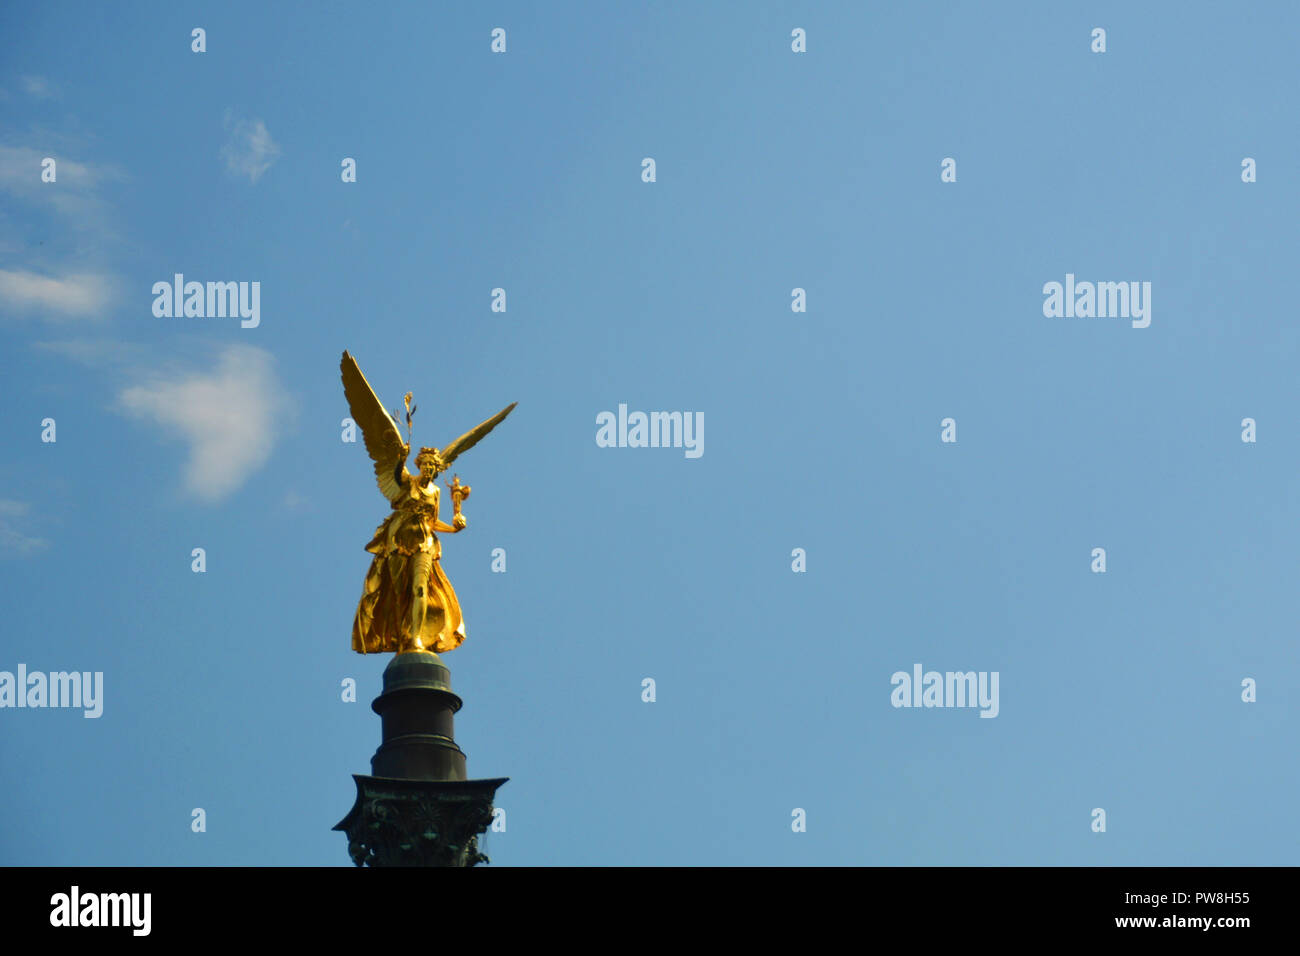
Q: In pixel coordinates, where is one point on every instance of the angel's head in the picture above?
(430, 463)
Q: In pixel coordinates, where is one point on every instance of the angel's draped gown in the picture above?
(403, 546)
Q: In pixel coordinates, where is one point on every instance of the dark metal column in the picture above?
(418, 809)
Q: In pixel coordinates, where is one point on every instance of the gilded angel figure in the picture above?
(408, 604)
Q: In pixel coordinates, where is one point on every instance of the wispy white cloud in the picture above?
(82, 294)
(73, 192)
(96, 353)
(13, 541)
(20, 170)
(38, 87)
(249, 151)
(229, 417)
(66, 276)
(57, 230)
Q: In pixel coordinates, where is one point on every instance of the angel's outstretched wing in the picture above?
(383, 439)
(472, 437)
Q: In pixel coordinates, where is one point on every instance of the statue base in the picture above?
(418, 809)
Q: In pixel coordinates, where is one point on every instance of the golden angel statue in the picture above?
(408, 604)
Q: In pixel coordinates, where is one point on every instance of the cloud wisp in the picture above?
(79, 295)
(250, 151)
(13, 542)
(37, 87)
(65, 278)
(228, 417)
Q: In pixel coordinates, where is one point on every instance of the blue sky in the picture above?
(774, 170)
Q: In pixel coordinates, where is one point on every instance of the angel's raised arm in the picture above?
(382, 436)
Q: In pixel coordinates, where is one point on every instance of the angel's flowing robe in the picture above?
(383, 620)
